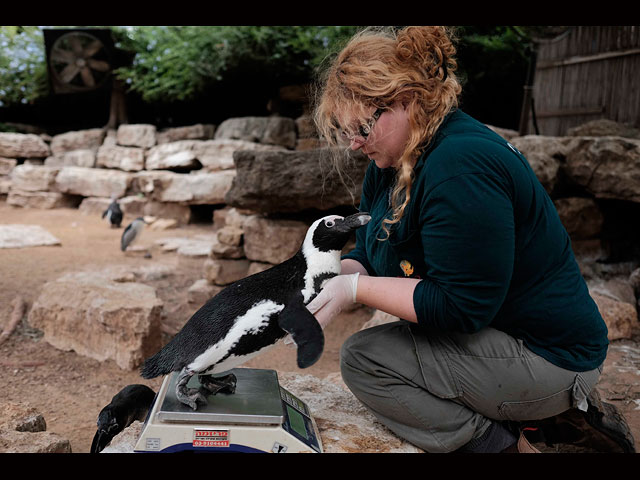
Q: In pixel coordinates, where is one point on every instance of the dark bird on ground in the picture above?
(254, 313)
(131, 233)
(129, 404)
(113, 214)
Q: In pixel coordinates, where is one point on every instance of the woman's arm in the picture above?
(391, 295)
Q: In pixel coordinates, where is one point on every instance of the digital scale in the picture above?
(261, 416)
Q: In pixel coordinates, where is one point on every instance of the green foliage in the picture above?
(23, 71)
(178, 63)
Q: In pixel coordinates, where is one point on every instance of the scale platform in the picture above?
(261, 416)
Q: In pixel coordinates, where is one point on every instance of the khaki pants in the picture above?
(440, 391)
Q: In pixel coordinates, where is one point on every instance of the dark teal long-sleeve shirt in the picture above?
(486, 241)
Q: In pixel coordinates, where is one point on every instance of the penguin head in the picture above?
(333, 232)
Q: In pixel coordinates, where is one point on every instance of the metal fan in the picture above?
(78, 62)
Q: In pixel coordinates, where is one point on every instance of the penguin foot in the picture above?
(213, 385)
(189, 396)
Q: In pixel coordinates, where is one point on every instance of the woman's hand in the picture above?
(338, 292)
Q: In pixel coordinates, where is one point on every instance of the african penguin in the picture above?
(129, 404)
(254, 313)
(131, 232)
(113, 213)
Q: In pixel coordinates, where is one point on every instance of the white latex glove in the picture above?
(337, 293)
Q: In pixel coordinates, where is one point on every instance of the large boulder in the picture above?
(607, 167)
(270, 130)
(23, 145)
(198, 188)
(136, 135)
(130, 159)
(198, 131)
(93, 182)
(90, 138)
(272, 241)
(99, 317)
(33, 178)
(292, 181)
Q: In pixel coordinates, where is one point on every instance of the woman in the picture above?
(464, 245)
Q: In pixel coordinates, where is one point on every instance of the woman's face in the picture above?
(387, 138)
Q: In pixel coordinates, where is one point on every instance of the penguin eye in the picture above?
(329, 223)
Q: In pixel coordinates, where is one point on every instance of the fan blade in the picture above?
(87, 77)
(93, 48)
(68, 72)
(62, 56)
(99, 65)
(76, 44)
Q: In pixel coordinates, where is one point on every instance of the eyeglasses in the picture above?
(364, 130)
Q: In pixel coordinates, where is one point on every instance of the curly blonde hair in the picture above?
(378, 67)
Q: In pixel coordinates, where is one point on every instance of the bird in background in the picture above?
(131, 233)
(113, 213)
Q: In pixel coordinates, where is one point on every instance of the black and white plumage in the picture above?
(129, 404)
(113, 214)
(132, 232)
(256, 312)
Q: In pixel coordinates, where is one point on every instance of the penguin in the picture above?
(129, 404)
(131, 232)
(254, 313)
(113, 213)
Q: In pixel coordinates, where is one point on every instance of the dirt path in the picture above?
(70, 390)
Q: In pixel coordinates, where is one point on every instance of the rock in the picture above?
(19, 236)
(126, 440)
(344, 424)
(607, 167)
(201, 291)
(42, 200)
(292, 181)
(23, 145)
(33, 178)
(192, 132)
(23, 430)
(164, 224)
(620, 317)
(6, 165)
(21, 418)
(581, 217)
(94, 205)
(270, 130)
(195, 188)
(39, 442)
(544, 154)
(129, 159)
(89, 139)
(93, 182)
(218, 154)
(272, 241)
(77, 158)
(603, 127)
(136, 135)
(220, 271)
(180, 213)
(97, 317)
(176, 155)
(230, 235)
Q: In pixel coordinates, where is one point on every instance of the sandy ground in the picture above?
(70, 390)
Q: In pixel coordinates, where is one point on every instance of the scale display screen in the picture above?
(297, 419)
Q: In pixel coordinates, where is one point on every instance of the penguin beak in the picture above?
(355, 221)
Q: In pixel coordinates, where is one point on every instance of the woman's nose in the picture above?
(357, 143)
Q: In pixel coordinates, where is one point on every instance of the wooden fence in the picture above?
(589, 72)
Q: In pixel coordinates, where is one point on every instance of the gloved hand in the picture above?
(337, 293)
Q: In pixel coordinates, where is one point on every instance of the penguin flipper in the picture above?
(305, 330)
